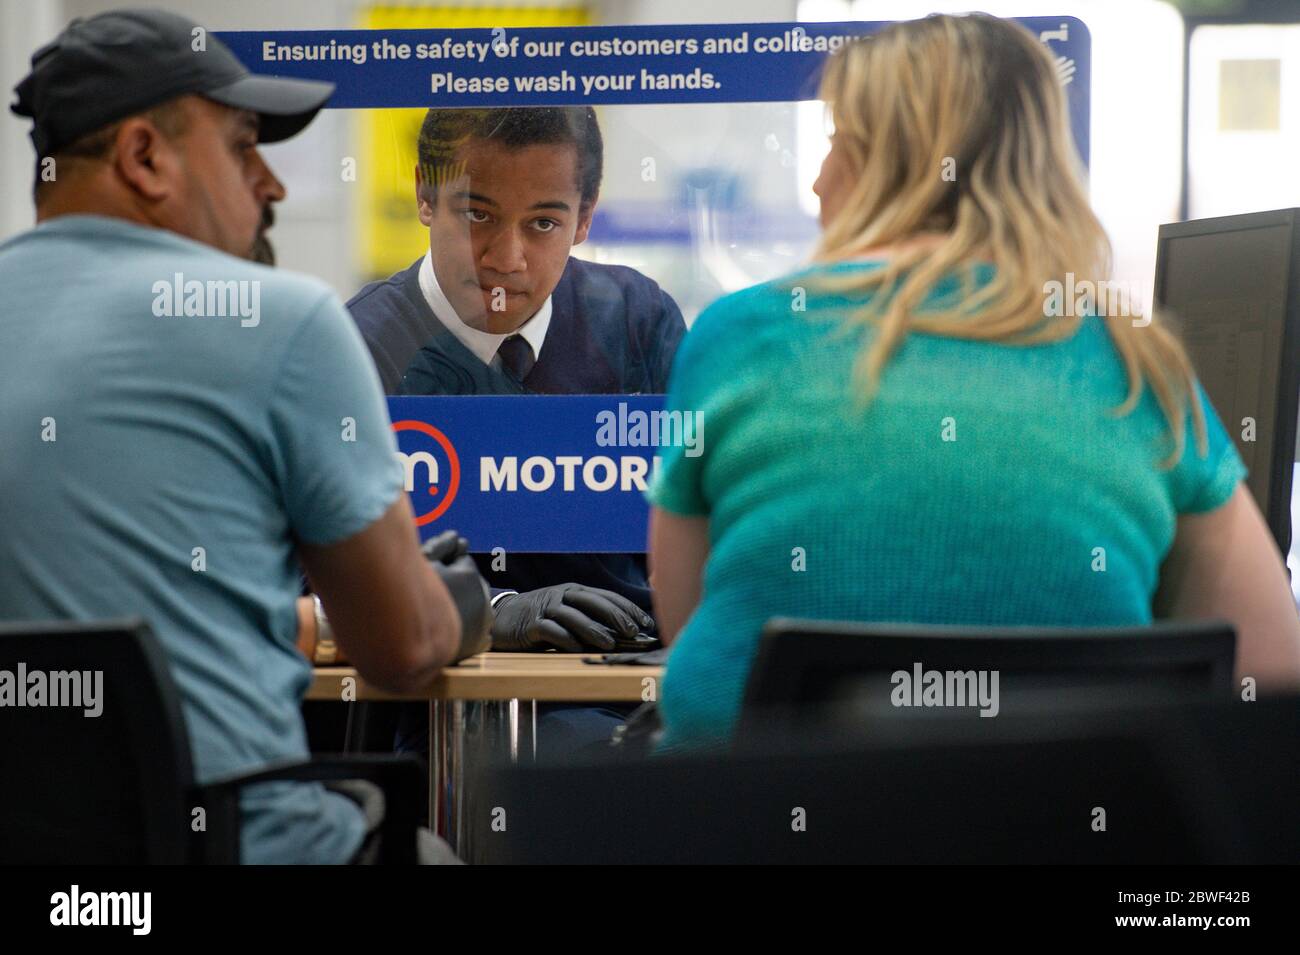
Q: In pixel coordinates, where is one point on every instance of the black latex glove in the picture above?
(448, 553)
(445, 548)
(570, 617)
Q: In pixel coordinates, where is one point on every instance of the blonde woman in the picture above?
(903, 432)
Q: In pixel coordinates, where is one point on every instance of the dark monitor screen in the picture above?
(1229, 285)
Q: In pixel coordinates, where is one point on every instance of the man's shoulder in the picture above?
(601, 287)
(125, 245)
(382, 294)
(286, 300)
(171, 275)
(583, 273)
(386, 312)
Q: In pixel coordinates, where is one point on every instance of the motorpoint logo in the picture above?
(430, 466)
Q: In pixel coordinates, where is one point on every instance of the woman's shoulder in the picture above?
(778, 297)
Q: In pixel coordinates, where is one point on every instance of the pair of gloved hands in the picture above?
(571, 617)
(565, 616)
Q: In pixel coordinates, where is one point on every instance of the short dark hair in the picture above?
(445, 130)
(170, 118)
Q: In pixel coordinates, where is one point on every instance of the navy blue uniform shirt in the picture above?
(612, 331)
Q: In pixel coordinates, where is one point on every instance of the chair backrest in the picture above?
(828, 800)
(102, 777)
(884, 669)
(1206, 782)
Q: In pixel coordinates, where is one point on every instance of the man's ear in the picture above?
(585, 212)
(146, 160)
(423, 199)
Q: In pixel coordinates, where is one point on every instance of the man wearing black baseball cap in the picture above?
(184, 428)
(102, 70)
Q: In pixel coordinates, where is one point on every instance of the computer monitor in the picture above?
(1231, 286)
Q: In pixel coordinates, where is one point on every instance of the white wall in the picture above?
(1243, 170)
(24, 27)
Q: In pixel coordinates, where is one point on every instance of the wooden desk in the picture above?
(552, 677)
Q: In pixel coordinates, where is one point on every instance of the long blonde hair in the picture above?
(976, 97)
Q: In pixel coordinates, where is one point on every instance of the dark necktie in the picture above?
(516, 357)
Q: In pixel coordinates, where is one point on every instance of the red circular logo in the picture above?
(453, 462)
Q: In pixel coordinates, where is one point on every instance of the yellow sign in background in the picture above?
(391, 235)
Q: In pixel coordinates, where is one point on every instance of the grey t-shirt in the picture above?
(162, 463)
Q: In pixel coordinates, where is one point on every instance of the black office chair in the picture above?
(1152, 740)
(118, 787)
(806, 669)
(1021, 791)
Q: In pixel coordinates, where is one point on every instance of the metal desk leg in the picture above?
(437, 770)
(489, 737)
(446, 768)
(456, 777)
(522, 717)
(513, 719)
(434, 803)
(464, 738)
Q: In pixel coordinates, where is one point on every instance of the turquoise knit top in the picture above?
(984, 484)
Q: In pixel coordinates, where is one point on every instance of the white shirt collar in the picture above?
(483, 344)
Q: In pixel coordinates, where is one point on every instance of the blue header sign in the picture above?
(565, 66)
(537, 473)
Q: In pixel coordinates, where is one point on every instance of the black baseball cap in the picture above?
(119, 63)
